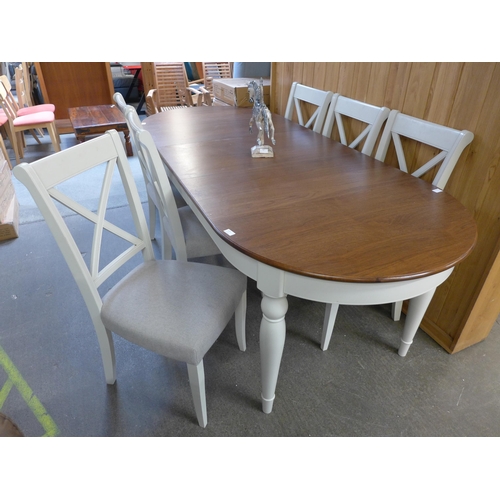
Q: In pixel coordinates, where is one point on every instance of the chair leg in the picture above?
(196, 375)
(54, 136)
(166, 245)
(107, 348)
(240, 322)
(33, 133)
(396, 310)
(328, 324)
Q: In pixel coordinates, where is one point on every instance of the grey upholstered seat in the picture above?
(175, 308)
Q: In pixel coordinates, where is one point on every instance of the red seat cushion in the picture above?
(36, 109)
(34, 119)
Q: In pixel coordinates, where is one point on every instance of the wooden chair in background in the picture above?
(214, 70)
(18, 123)
(173, 89)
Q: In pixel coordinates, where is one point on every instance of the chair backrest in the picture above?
(157, 177)
(8, 102)
(373, 117)
(120, 102)
(22, 88)
(449, 141)
(45, 179)
(152, 102)
(320, 99)
(213, 70)
(168, 77)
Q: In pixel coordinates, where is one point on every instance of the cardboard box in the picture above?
(9, 226)
(234, 91)
(5, 175)
(5, 199)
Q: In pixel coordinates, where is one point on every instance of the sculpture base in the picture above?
(262, 152)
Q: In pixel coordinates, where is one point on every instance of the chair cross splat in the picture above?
(373, 117)
(174, 308)
(319, 99)
(450, 143)
(180, 228)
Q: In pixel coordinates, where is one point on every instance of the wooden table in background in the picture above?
(94, 120)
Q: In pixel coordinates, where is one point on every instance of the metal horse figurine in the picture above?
(262, 118)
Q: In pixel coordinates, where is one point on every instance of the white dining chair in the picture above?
(373, 117)
(318, 99)
(448, 141)
(181, 230)
(447, 145)
(151, 192)
(174, 308)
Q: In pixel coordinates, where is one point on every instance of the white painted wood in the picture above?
(373, 116)
(276, 284)
(176, 224)
(396, 310)
(320, 98)
(272, 342)
(55, 169)
(196, 375)
(240, 322)
(416, 310)
(449, 141)
(328, 323)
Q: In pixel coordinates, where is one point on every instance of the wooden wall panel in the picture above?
(459, 95)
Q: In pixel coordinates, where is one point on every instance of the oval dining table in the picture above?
(319, 220)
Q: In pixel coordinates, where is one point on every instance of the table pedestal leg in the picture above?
(416, 310)
(272, 342)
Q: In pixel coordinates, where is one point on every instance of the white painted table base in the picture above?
(276, 284)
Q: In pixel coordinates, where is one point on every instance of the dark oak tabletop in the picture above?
(317, 208)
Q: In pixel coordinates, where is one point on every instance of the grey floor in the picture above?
(52, 382)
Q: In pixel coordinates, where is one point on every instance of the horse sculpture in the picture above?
(262, 118)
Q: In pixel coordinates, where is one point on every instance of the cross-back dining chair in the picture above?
(447, 144)
(181, 230)
(448, 141)
(372, 118)
(318, 99)
(174, 308)
(150, 190)
(18, 123)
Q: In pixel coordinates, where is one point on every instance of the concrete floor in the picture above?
(52, 381)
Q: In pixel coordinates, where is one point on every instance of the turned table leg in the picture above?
(128, 144)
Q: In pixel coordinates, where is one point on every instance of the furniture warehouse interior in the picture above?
(249, 249)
